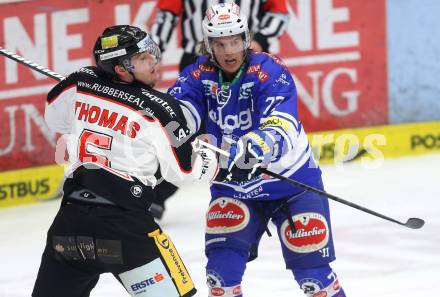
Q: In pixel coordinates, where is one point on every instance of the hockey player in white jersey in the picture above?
(118, 131)
(248, 102)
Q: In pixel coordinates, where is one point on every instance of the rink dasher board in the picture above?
(30, 185)
(375, 142)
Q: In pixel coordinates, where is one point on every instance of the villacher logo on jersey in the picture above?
(303, 233)
(217, 292)
(226, 215)
(229, 215)
(310, 234)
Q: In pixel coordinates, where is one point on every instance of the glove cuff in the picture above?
(263, 145)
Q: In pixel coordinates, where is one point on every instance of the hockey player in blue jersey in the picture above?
(248, 103)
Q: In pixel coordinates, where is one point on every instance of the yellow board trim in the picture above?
(178, 271)
(376, 142)
(30, 185)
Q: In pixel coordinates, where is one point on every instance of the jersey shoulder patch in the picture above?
(166, 109)
(63, 85)
(83, 74)
(266, 68)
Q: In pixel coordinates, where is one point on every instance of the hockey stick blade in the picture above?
(414, 223)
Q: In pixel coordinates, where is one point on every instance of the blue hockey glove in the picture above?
(252, 151)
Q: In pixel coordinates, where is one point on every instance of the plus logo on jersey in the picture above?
(211, 89)
(246, 90)
(311, 233)
(226, 215)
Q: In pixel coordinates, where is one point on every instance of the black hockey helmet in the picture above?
(118, 44)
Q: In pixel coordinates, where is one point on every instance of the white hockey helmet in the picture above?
(224, 19)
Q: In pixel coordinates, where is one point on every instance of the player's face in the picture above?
(229, 52)
(146, 68)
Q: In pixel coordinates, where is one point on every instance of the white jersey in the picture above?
(128, 129)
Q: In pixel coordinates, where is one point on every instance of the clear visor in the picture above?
(227, 45)
(142, 62)
(148, 45)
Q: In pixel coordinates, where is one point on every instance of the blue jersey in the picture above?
(263, 96)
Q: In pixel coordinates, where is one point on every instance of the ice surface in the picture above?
(375, 257)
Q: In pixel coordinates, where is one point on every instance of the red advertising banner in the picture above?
(336, 50)
(59, 35)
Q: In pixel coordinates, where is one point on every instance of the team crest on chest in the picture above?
(223, 95)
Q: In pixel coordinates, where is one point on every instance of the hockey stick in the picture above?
(413, 223)
(47, 72)
(30, 64)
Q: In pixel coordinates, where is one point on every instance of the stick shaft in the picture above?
(309, 188)
(30, 64)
